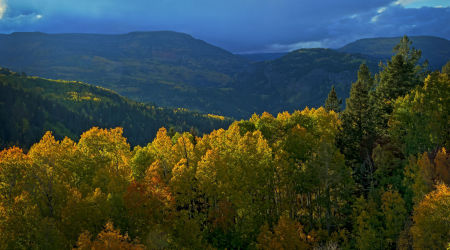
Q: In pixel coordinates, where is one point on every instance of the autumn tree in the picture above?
(148, 205)
(109, 238)
(287, 234)
(420, 118)
(14, 165)
(431, 229)
(238, 169)
(424, 172)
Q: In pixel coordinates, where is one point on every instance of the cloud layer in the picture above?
(237, 25)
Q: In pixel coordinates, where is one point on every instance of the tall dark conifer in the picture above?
(333, 102)
(357, 137)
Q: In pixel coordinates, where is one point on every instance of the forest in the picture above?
(374, 174)
(172, 69)
(30, 106)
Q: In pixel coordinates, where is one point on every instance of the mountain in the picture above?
(299, 79)
(176, 70)
(29, 106)
(167, 68)
(435, 49)
(259, 57)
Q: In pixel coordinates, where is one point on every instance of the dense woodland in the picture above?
(30, 106)
(374, 175)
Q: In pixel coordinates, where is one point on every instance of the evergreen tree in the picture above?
(357, 136)
(397, 77)
(333, 102)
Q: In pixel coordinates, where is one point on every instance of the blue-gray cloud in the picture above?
(237, 25)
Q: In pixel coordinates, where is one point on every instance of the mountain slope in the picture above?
(299, 79)
(167, 68)
(435, 49)
(175, 70)
(29, 106)
(260, 57)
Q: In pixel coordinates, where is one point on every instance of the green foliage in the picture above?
(367, 224)
(357, 137)
(176, 70)
(167, 68)
(333, 102)
(394, 213)
(301, 78)
(30, 106)
(420, 120)
(397, 78)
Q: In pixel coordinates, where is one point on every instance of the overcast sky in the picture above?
(236, 25)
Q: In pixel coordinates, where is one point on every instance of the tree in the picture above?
(400, 75)
(287, 234)
(109, 238)
(107, 156)
(333, 103)
(431, 229)
(357, 136)
(238, 169)
(81, 213)
(389, 162)
(23, 227)
(14, 165)
(394, 215)
(162, 149)
(420, 119)
(367, 224)
(329, 180)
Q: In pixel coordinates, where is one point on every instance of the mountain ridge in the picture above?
(173, 69)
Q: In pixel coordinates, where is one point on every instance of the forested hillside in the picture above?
(374, 175)
(299, 79)
(29, 106)
(166, 68)
(176, 70)
(260, 57)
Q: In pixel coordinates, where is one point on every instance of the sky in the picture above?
(240, 26)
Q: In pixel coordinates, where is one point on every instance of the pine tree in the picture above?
(398, 76)
(357, 136)
(333, 102)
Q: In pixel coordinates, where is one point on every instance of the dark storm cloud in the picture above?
(238, 25)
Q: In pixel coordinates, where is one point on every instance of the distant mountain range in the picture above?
(434, 49)
(176, 70)
(29, 106)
